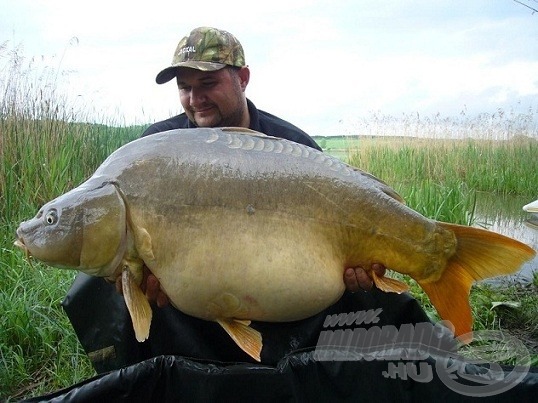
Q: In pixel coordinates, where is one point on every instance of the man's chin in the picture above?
(206, 120)
(206, 123)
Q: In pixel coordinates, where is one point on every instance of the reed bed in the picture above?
(498, 166)
(45, 150)
(40, 160)
(440, 177)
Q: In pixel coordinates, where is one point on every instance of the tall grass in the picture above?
(440, 177)
(39, 351)
(44, 151)
(501, 166)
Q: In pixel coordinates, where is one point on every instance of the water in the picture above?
(504, 214)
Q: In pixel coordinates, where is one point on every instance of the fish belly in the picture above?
(251, 265)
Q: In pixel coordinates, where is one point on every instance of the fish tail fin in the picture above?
(450, 297)
(247, 338)
(480, 254)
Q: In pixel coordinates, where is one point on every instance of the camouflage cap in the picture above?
(206, 49)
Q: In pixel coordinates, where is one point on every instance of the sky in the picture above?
(318, 64)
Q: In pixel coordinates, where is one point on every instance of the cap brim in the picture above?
(170, 72)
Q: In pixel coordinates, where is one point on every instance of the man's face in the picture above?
(214, 98)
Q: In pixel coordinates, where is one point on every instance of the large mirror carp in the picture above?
(239, 226)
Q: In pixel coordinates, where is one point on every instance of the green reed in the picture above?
(440, 177)
(39, 351)
(40, 160)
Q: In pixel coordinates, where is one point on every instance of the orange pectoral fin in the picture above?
(388, 284)
(247, 338)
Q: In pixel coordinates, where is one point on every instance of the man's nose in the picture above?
(197, 96)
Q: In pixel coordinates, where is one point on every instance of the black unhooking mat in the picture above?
(187, 359)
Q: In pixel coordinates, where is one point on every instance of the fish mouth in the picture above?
(19, 243)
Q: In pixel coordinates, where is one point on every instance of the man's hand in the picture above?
(151, 287)
(356, 278)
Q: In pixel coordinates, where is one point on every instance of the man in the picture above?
(212, 76)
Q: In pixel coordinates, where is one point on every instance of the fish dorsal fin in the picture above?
(388, 284)
(247, 338)
(137, 304)
(392, 193)
(378, 183)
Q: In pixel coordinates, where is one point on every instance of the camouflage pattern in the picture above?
(206, 49)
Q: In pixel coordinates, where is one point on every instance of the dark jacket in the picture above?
(259, 120)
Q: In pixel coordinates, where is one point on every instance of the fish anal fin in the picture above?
(137, 305)
(247, 338)
(450, 297)
(388, 284)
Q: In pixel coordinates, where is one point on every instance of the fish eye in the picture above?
(51, 217)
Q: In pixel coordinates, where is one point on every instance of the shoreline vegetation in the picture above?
(45, 150)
